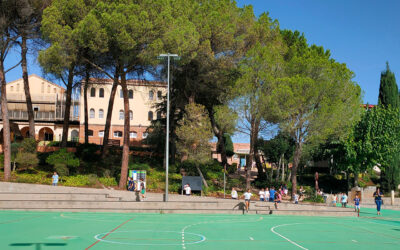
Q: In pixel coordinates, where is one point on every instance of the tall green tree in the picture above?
(194, 135)
(388, 90)
(8, 13)
(316, 99)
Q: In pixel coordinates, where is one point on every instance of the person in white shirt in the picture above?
(247, 197)
(262, 194)
(188, 190)
(234, 194)
(266, 195)
(296, 198)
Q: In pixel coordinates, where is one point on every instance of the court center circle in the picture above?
(190, 238)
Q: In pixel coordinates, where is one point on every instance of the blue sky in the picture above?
(364, 34)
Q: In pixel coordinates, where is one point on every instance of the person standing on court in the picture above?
(378, 200)
(262, 194)
(247, 197)
(344, 200)
(55, 179)
(271, 194)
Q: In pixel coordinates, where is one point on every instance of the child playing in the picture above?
(262, 194)
(266, 195)
(357, 205)
(234, 194)
(55, 179)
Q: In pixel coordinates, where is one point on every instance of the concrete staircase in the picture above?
(17, 196)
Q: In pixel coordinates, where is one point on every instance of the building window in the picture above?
(101, 113)
(54, 90)
(121, 94)
(151, 95)
(159, 95)
(132, 135)
(130, 115)
(48, 89)
(101, 93)
(42, 87)
(121, 114)
(101, 133)
(150, 116)
(144, 135)
(130, 94)
(91, 113)
(17, 87)
(158, 115)
(90, 132)
(118, 134)
(12, 88)
(92, 92)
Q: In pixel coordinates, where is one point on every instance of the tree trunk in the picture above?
(279, 169)
(220, 136)
(253, 139)
(283, 168)
(356, 179)
(202, 177)
(296, 161)
(29, 108)
(67, 110)
(85, 105)
(6, 125)
(125, 147)
(109, 112)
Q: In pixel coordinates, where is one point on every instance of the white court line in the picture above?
(280, 235)
(251, 238)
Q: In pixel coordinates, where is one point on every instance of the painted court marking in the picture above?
(106, 234)
(100, 237)
(289, 240)
(251, 238)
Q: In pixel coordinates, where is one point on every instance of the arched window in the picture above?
(54, 90)
(158, 115)
(101, 92)
(150, 116)
(130, 115)
(144, 135)
(91, 113)
(151, 95)
(12, 88)
(118, 134)
(17, 87)
(101, 113)
(121, 114)
(159, 95)
(101, 133)
(130, 94)
(92, 92)
(132, 135)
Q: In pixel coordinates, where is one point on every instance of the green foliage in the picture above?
(28, 145)
(226, 118)
(281, 144)
(88, 152)
(108, 181)
(64, 157)
(61, 169)
(228, 145)
(79, 181)
(315, 198)
(194, 134)
(27, 160)
(37, 178)
(388, 89)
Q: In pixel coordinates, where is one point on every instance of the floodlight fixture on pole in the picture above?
(168, 55)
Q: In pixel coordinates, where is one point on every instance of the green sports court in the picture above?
(70, 230)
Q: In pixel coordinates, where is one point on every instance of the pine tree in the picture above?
(388, 90)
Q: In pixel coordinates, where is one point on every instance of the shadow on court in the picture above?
(37, 245)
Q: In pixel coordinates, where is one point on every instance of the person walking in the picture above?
(357, 205)
(55, 179)
(247, 197)
(378, 200)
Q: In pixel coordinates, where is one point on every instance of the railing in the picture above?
(39, 116)
(11, 97)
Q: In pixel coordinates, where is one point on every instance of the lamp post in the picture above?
(168, 55)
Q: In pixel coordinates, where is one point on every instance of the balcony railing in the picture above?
(39, 116)
(12, 97)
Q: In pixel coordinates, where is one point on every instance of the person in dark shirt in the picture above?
(357, 204)
(378, 200)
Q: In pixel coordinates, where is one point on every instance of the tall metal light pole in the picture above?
(168, 55)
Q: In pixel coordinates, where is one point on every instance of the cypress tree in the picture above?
(388, 90)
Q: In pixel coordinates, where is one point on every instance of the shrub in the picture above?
(108, 181)
(27, 160)
(88, 152)
(63, 157)
(61, 169)
(28, 145)
(231, 169)
(77, 181)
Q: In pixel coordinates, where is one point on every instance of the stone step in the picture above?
(57, 196)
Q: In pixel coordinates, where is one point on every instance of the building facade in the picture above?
(48, 102)
(143, 97)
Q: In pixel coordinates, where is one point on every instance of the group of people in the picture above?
(267, 194)
(140, 186)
